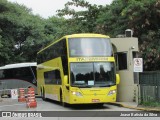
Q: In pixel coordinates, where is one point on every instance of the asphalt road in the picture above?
(49, 105)
(81, 112)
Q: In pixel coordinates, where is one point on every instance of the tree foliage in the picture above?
(142, 16)
(22, 34)
(81, 21)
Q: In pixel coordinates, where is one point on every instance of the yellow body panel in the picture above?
(88, 95)
(51, 91)
(91, 95)
(91, 59)
(76, 36)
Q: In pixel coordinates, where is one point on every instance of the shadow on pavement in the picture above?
(79, 106)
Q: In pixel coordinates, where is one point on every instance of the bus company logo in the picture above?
(92, 59)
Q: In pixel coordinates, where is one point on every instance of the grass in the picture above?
(151, 104)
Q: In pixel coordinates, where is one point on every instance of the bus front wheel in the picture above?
(61, 99)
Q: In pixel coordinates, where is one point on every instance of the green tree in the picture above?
(56, 26)
(111, 21)
(84, 20)
(142, 16)
(22, 33)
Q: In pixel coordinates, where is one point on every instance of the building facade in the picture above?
(125, 50)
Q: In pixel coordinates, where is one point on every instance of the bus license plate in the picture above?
(95, 100)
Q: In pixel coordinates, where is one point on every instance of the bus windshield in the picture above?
(92, 74)
(79, 47)
(21, 73)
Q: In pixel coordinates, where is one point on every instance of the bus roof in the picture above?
(18, 65)
(76, 36)
(86, 35)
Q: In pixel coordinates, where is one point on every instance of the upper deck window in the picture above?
(90, 47)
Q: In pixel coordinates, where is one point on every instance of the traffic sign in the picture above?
(14, 94)
(138, 64)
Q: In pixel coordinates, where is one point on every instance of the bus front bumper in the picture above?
(91, 99)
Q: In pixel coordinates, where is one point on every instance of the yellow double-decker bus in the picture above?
(78, 69)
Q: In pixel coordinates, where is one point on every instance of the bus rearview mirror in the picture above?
(117, 79)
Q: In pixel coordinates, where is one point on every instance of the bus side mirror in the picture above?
(117, 79)
(66, 80)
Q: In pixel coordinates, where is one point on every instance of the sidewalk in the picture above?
(133, 105)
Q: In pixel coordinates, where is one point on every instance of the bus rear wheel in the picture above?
(43, 94)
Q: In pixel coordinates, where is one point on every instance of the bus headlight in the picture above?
(76, 93)
(111, 92)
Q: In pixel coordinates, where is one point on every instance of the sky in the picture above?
(48, 8)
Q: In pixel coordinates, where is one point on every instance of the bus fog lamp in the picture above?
(111, 92)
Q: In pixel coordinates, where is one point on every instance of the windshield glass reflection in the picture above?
(89, 47)
(92, 74)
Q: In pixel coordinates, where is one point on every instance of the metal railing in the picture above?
(149, 86)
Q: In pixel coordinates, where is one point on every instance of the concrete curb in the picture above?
(136, 108)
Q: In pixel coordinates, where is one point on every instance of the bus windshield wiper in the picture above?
(85, 86)
(106, 85)
(81, 86)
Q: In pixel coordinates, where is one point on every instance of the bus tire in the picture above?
(61, 99)
(43, 94)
